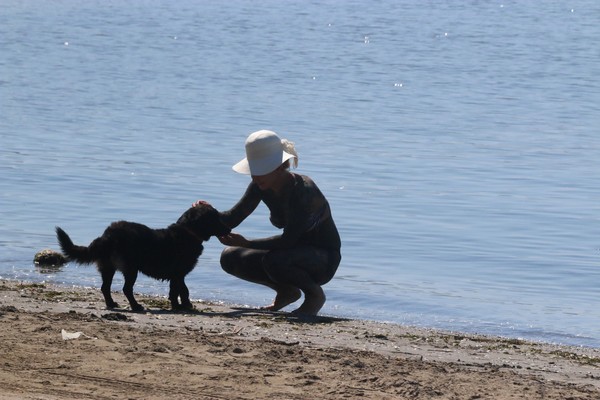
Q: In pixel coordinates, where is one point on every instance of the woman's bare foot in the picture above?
(313, 302)
(283, 298)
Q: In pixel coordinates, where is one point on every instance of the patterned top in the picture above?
(301, 210)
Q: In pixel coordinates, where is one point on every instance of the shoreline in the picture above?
(258, 354)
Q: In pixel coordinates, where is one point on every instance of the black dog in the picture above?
(165, 254)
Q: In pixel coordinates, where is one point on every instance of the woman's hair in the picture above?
(290, 148)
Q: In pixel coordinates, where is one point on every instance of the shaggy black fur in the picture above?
(164, 254)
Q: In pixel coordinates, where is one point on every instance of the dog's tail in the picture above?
(80, 254)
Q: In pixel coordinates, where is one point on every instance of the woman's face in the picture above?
(265, 182)
(271, 181)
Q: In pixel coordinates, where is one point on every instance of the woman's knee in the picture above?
(230, 258)
(240, 261)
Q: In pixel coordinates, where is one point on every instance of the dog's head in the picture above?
(204, 221)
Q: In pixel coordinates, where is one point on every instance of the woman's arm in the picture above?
(244, 207)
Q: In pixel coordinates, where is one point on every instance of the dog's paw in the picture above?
(183, 307)
(137, 307)
(112, 305)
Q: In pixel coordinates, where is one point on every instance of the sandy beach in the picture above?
(61, 343)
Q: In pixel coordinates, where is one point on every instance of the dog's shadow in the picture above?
(122, 314)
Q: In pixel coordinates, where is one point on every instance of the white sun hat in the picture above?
(265, 152)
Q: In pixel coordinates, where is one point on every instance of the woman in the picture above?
(306, 255)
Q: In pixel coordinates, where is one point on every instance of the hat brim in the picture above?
(261, 166)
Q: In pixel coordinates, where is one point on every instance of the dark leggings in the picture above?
(300, 267)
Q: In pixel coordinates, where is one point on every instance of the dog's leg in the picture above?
(184, 293)
(178, 289)
(130, 278)
(174, 293)
(107, 272)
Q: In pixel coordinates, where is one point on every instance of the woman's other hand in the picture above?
(200, 203)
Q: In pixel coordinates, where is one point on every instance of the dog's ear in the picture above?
(211, 225)
(196, 213)
(187, 216)
(204, 220)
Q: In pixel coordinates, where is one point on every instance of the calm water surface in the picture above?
(457, 142)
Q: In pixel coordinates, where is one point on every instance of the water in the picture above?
(457, 143)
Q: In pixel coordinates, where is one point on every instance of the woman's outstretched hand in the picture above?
(234, 239)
